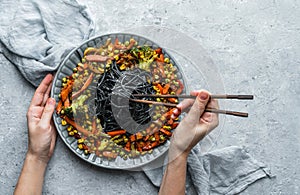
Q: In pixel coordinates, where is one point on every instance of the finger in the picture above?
(40, 92)
(48, 111)
(198, 107)
(53, 138)
(183, 106)
(46, 96)
(34, 113)
(210, 117)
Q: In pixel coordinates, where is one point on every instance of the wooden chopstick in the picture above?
(228, 112)
(220, 96)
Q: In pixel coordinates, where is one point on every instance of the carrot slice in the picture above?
(174, 125)
(59, 107)
(146, 137)
(94, 128)
(67, 103)
(173, 100)
(180, 89)
(156, 135)
(78, 127)
(139, 135)
(166, 88)
(166, 132)
(98, 58)
(132, 138)
(127, 147)
(66, 91)
(160, 88)
(85, 85)
(116, 132)
(150, 145)
(158, 51)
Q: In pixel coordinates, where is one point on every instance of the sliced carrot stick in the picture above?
(85, 85)
(85, 65)
(132, 138)
(131, 44)
(116, 41)
(59, 107)
(160, 88)
(156, 135)
(161, 69)
(98, 58)
(67, 103)
(116, 132)
(180, 89)
(158, 51)
(78, 127)
(139, 135)
(170, 122)
(150, 145)
(166, 132)
(173, 100)
(80, 69)
(66, 91)
(166, 88)
(174, 125)
(161, 58)
(127, 146)
(146, 137)
(94, 128)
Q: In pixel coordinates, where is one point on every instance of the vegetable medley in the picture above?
(95, 130)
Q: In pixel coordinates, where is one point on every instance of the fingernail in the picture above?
(203, 95)
(175, 111)
(173, 116)
(179, 105)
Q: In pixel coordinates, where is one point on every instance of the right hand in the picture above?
(195, 125)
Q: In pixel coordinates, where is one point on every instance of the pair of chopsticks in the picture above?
(222, 96)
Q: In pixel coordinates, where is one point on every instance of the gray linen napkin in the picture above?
(35, 35)
(228, 170)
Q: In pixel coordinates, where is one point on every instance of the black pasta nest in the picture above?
(113, 108)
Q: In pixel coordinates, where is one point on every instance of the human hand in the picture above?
(195, 125)
(41, 131)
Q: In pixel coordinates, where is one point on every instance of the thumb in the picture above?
(198, 107)
(48, 111)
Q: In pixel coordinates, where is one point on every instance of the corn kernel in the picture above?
(71, 133)
(63, 122)
(69, 128)
(80, 146)
(80, 141)
(167, 127)
(123, 67)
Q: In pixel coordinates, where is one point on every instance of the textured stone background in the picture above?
(255, 45)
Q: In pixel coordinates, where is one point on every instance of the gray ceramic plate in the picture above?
(65, 69)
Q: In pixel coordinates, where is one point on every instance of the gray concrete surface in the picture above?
(256, 47)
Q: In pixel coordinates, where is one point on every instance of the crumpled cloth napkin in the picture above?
(228, 170)
(35, 35)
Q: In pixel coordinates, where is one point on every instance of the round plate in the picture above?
(66, 69)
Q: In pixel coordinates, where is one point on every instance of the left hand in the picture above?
(41, 131)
